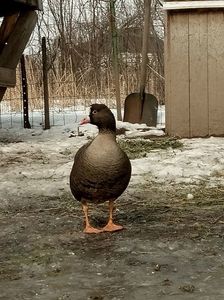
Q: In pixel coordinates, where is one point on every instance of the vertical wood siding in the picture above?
(178, 74)
(194, 71)
(216, 72)
(198, 74)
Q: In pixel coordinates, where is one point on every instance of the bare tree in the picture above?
(79, 49)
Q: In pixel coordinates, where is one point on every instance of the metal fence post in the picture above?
(45, 85)
(25, 94)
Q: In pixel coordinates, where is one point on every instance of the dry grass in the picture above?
(69, 90)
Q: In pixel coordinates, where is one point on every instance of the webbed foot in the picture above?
(90, 229)
(111, 227)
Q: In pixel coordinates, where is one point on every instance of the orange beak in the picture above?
(84, 121)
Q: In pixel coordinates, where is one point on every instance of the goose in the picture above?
(101, 170)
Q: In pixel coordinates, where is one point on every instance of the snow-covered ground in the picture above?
(58, 116)
(34, 161)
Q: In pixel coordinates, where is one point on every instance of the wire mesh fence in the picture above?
(80, 61)
(69, 94)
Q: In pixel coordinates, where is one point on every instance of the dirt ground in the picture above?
(171, 248)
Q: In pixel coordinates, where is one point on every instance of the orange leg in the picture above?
(110, 225)
(88, 228)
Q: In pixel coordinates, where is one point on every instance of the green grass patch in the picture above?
(138, 148)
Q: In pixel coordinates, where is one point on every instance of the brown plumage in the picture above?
(101, 169)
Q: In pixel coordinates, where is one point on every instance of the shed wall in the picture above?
(194, 71)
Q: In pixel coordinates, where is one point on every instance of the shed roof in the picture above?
(175, 5)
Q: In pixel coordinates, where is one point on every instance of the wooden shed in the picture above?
(194, 68)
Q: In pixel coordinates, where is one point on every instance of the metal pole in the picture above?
(25, 94)
(45, 85)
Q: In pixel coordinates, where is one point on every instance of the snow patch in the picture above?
(34, 161)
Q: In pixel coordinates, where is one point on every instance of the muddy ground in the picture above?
(171, 248)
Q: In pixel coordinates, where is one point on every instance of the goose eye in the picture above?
(94, 112)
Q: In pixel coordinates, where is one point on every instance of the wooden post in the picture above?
(145, 42)
(45, 85)
(25, 94)
(115, 57)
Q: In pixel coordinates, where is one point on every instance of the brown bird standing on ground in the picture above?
(101, 169)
